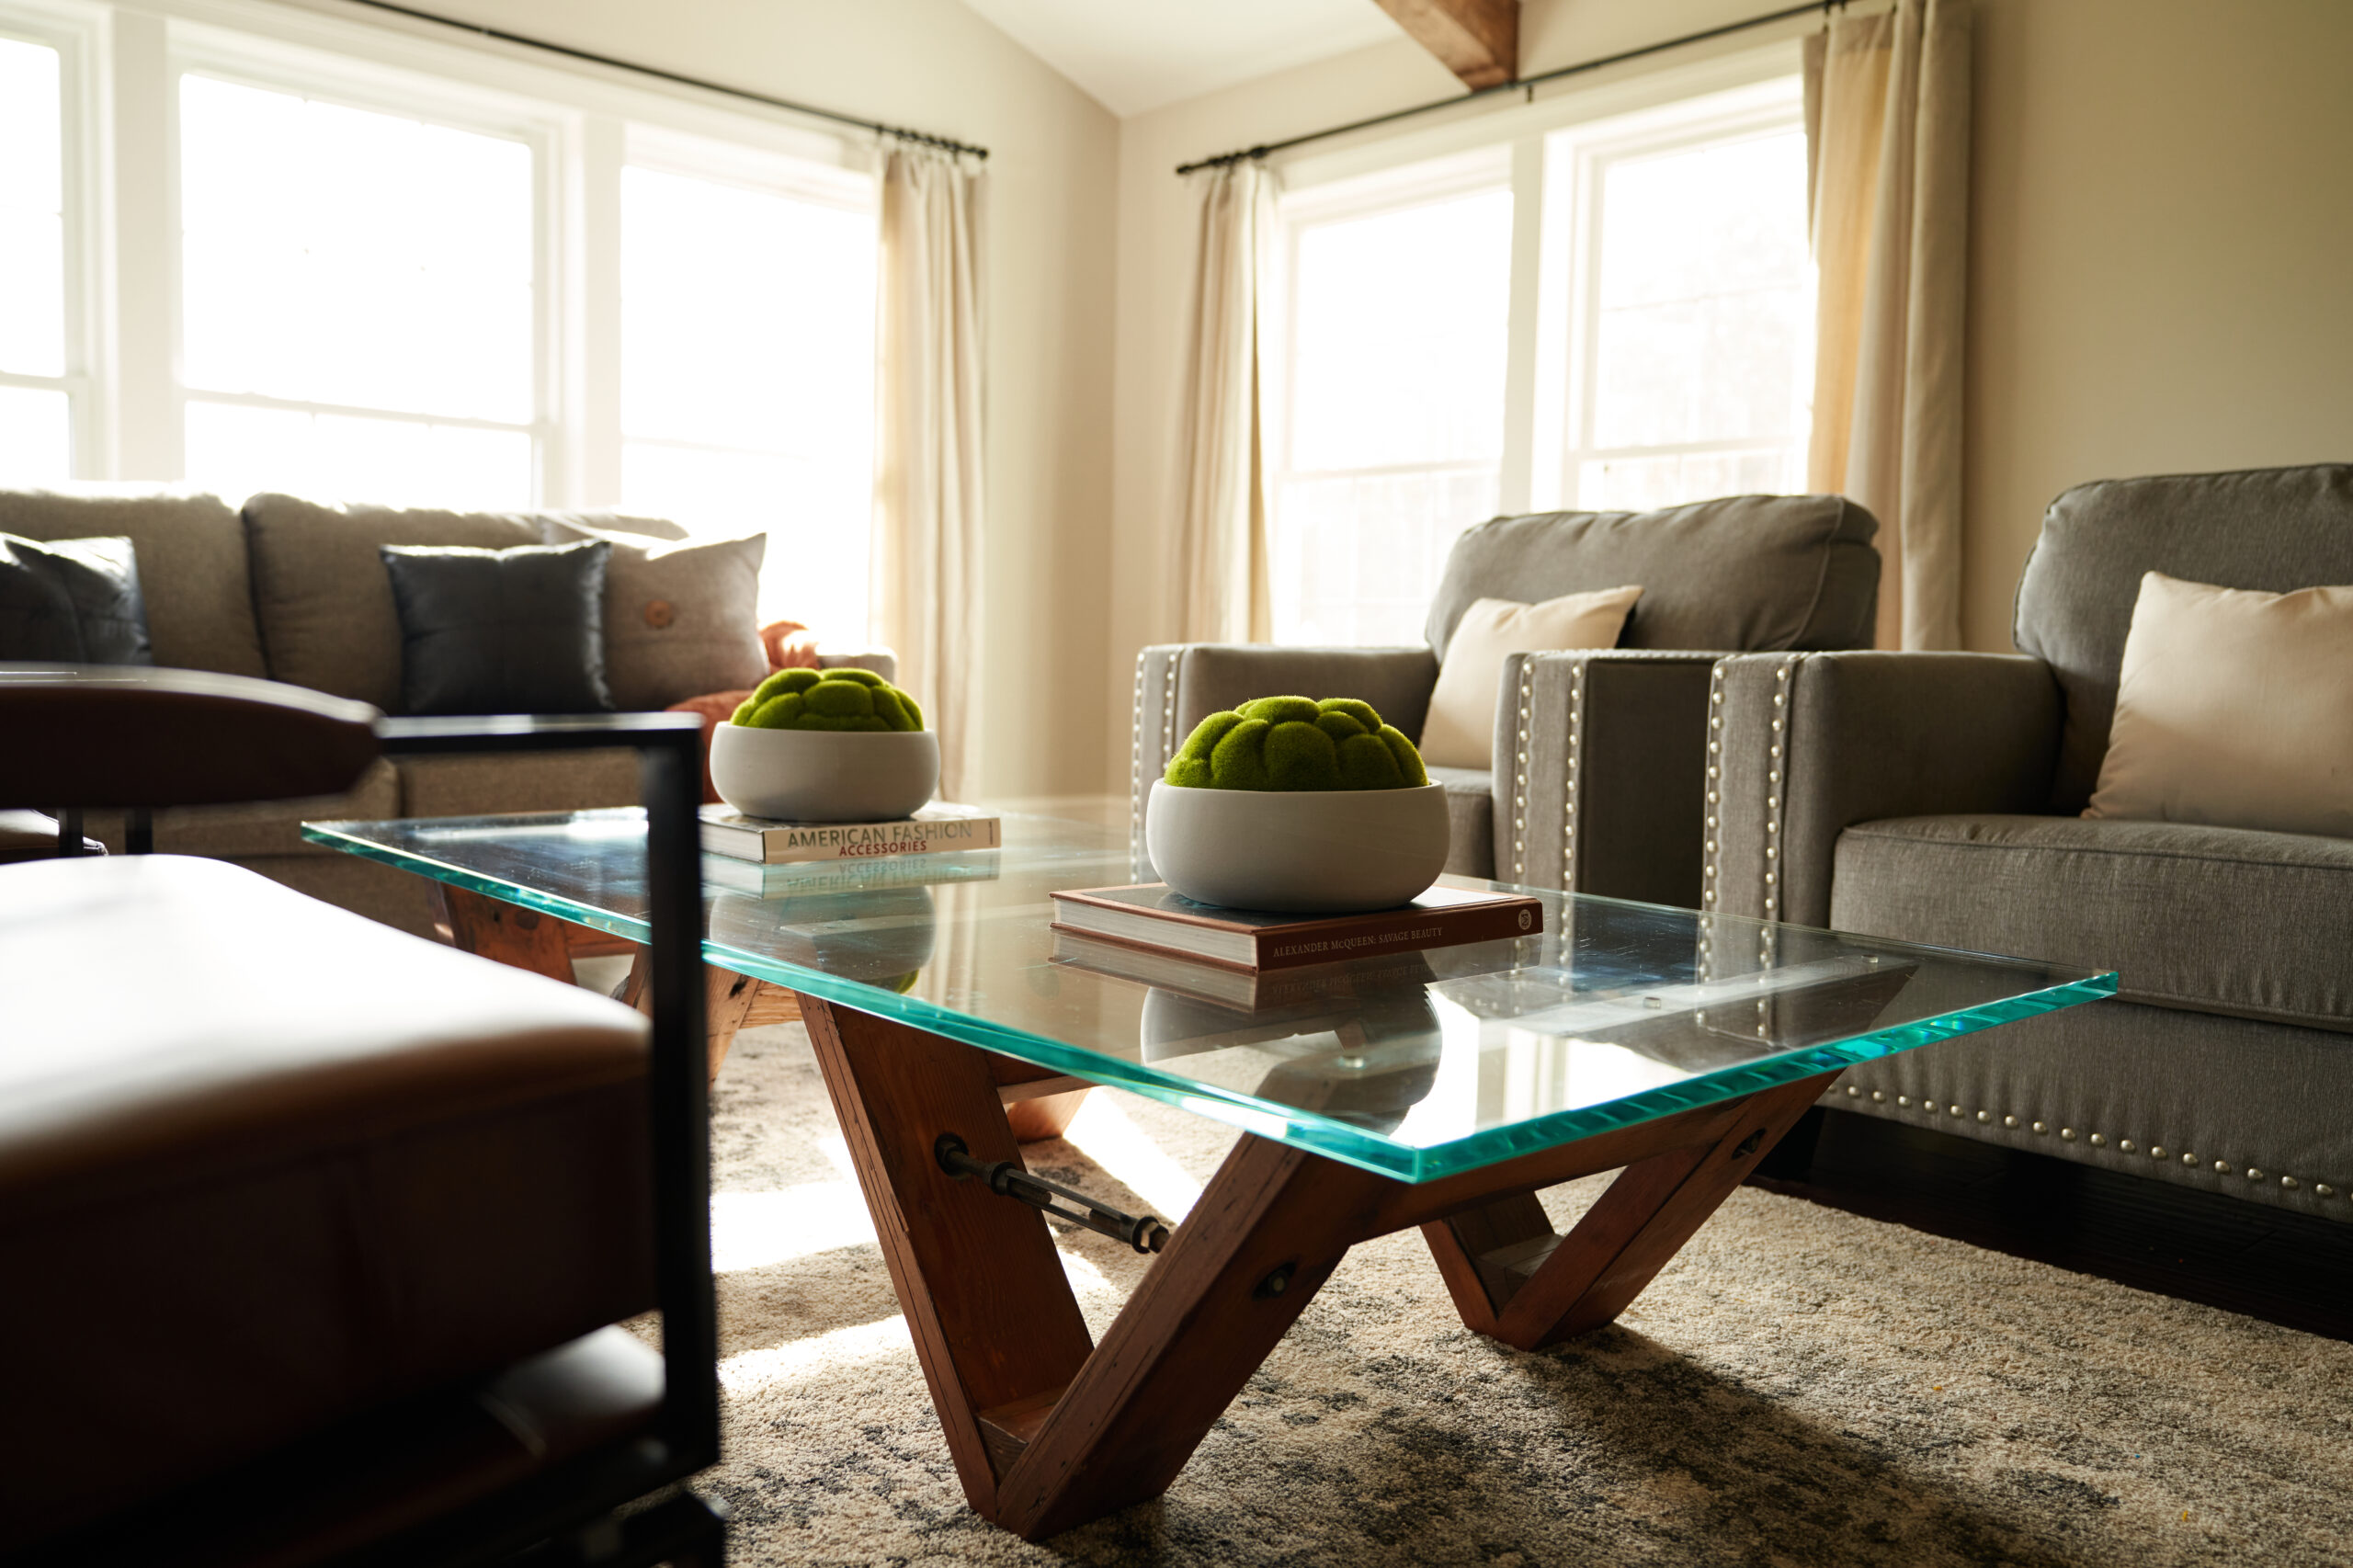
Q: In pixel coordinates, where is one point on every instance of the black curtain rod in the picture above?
(901, 132)
(1518, 84)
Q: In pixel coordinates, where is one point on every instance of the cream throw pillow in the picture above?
(1460, 730)
(2234, 708)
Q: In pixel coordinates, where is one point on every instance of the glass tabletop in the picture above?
(1415, 1066)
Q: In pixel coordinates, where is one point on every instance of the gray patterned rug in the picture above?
(1799, 1387)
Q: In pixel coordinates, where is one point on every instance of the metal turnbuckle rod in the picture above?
(1007, 1179)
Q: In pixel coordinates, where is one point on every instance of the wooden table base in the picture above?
(1048, 1429)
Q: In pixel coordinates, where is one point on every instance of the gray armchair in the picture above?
(1934, 797)
(1595, 779)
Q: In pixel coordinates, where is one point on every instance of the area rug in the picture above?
(1799, 1387)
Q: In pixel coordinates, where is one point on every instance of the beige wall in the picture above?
(2162, 253)
(2161, 257)
(935, 65)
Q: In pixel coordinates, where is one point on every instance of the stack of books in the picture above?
(1154, 924)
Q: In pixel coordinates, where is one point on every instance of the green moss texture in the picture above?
(829, 699)
(1290, 743)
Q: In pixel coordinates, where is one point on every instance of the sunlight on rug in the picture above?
(1799, 1387)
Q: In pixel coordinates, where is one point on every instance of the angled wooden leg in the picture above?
(1048, 1432)
(1269, 1228)
(994, 1320)
(1045, 1116)
(732, 1003)
(1513, 1279)
(524, 938)
(1038, 1102)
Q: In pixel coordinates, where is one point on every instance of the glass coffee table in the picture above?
(1441, 1090)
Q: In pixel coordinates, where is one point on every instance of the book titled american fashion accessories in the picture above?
(942, 826)
(1154, 916)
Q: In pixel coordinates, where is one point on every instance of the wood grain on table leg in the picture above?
(732, 1003)
(491, 928)
(993, 1321)
(1529, 1288)
(1268, 1229)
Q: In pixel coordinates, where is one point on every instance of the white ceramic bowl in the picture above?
(1298, 852)
(824, 775)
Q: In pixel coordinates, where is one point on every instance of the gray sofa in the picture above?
(293, 591)
(1747, 571)
(1934, 797)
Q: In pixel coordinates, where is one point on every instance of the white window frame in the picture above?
(1575, 161)
(122, 67)
(1546, 407)
(1440, 179)
(197, 50)
(75, 36)
(696, 157)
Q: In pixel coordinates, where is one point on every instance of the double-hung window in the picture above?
(747, 362)
(320, 256)
(358, 301)
(1397, 292)
(1614, 312)
(1688, 341)
(39, 381)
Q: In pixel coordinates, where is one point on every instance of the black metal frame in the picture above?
(582, 1492)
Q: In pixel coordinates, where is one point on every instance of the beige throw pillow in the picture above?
(681, 619)
(1461, 726)
(2234, 708)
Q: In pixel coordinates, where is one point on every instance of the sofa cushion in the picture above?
(357, 1167)
(517, 630)
(2233, 708)
(681, 619)
(515, 781)
(71, 601)
(1461, 731)
(1470, 816)
(325, 602)
(2211, 919)
(192, 567)
(2274, 530)
(1744, 573)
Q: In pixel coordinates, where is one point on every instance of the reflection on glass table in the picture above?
(1614, 1014)
(1439, 1089)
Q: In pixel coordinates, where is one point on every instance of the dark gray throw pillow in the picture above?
(71, 601)
(517, 630)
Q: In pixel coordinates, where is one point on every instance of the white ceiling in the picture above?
(1134, 56)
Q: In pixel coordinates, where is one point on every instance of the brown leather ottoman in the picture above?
(264, 1162)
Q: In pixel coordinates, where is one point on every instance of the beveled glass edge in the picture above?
(1290, 1125)
(1727, 1084)
(475, 881)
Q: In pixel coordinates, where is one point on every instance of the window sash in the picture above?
(1552, 156)
(129, 399)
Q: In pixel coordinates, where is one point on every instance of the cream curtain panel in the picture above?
(1221, 566)
(1887, 143)
(927, 491)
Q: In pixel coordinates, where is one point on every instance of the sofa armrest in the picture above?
(1803, 746)
(882, 661)
(1598, 762)
(1180, 684)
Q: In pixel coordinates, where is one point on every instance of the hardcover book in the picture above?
(810, 879)
(1242, 990)
(941, 825)
(1154, 917)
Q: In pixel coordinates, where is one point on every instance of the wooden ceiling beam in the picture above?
(1476, 40)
